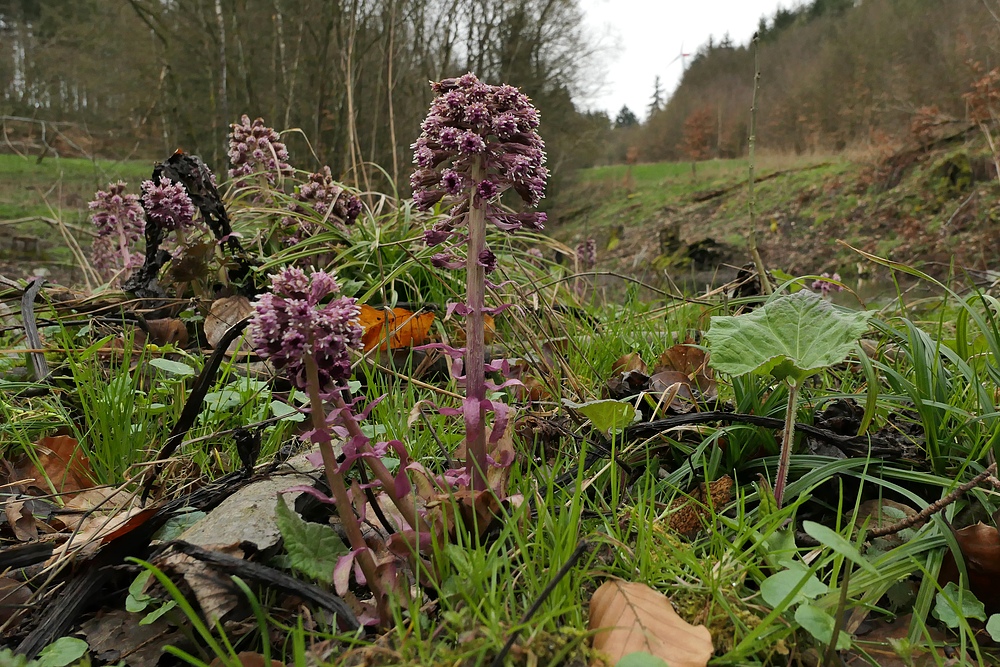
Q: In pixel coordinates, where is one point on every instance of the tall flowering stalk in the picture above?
(309, 335)
(323, 197)
(478, 142)
(255, 148)
(120, 223)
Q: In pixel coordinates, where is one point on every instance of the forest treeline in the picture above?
(834, 74)
(351, 74)
(143, 77)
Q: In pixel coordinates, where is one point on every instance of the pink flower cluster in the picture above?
(168, 204)
(825, 286)
(255, 148)
(586, 254)
(478, 141)
(120, 224)
(291, 321)
(319, 197)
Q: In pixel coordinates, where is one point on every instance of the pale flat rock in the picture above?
(247, 515)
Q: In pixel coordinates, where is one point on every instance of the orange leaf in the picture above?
(406, 327)
(631, 617)
(62, 466)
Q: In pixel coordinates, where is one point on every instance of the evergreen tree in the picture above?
(656, 103)
(625, 118)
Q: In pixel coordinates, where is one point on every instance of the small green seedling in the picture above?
(790, 338)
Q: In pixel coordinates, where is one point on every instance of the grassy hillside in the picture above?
(659, 222)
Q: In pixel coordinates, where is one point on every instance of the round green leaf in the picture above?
(63, 651)
(792, 336)
(779, 586)
(172, 367)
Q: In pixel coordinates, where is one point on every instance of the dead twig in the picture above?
(934, 507)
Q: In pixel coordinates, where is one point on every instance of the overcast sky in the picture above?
(642, 37)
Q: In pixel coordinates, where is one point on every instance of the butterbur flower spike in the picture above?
(586, 254)
(477, 142)
(120, 224)
(168, 204)
(255, 148)
(292, 321)
(827, 284)
(327, 200)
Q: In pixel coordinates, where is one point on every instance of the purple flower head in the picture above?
(120, 225)
(487, 189)
(317, 201)
(490, 131)
(291, 321)
(255, 148)
(825, 286)
(586, 254)
(168, 204)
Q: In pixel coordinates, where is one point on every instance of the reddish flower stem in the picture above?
(475, 353)
(374, 463)
(337, 486)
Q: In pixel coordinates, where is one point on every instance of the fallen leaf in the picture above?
(630, 617)
(628, 362)
(21, 520)
(691, 361)
(980, 545)
(13, 594)
(407, 328)
(215, 592)
(247, 659)
(116, 636)
(878, 644)
(223, 314)
(62, 467)
(167, 331)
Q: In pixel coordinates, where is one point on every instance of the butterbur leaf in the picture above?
(313, 549)
(949, 598)
(606, 414)
(790, 337)
(820, 625)
(629, 617)
(779, 586)
(993, 627)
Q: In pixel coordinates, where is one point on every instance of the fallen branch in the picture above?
(934, 507)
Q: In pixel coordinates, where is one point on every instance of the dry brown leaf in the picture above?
(13, 594)
(877, 644)
(223, 314)
(167, 331)
(630, 617)
(692, 362)
(115, 636)
(980, 546)
(21, 520)
(62, 467)
(628, 362)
